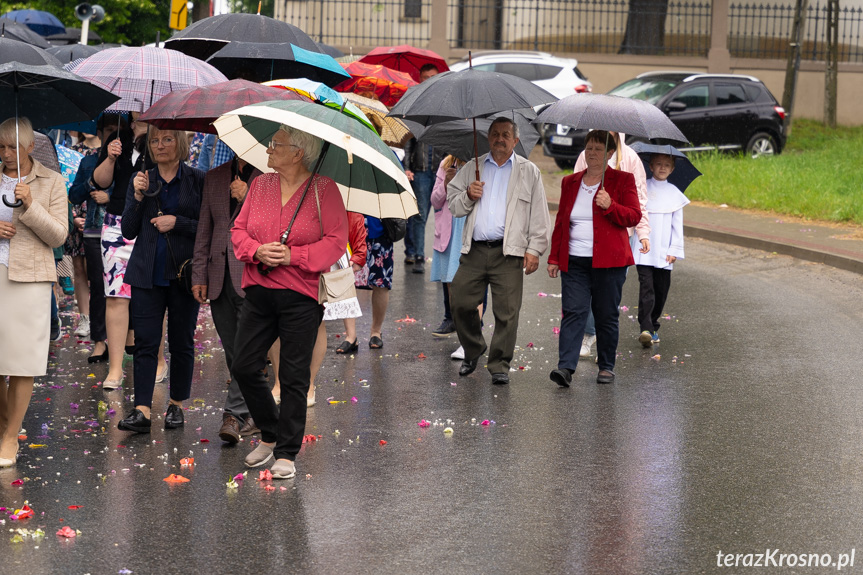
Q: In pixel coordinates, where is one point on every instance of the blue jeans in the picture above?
(415, 237)
(585, 288)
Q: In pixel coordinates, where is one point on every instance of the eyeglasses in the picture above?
(273, 144)
(167, 141)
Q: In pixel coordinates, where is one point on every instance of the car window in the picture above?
(650, 90)
(486, 68)
(694, 96)
(522, 70)
(729, 94)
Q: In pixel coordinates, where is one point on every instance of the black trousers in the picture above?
(654, 284)
(294, 318)
(93, 257)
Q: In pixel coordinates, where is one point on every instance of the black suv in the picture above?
(715, 111)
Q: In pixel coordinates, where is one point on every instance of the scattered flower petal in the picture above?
(174, 478)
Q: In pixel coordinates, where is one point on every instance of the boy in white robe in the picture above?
(665, 212)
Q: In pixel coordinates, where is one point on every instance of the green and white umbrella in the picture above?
(370, 177)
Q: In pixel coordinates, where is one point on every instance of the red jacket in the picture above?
(610, 240)
(357, 238)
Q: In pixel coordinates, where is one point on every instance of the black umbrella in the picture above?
(43, 92)
(15, 31)
(684, 172)
(456, 137)
(261, 62)
(72, 36)
(205, 37)
(72, 52)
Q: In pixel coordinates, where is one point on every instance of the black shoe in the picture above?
(56, 332)
(136, 422)
(348, 347)
(467, 366)
(446, 329)
(230, 430)
(130, 350)
(99, 358)
(561, 377)
(500, 378)
(605, 376)
(174, 417)
(410, 260)
(420, 265)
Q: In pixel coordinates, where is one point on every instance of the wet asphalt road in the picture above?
(743, 434)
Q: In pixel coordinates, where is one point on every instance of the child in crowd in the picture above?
(665, 212)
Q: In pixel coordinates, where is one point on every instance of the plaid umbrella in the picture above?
(140, 76)
(195, 109)
(388, 85)
(405, 59)
(394, 132)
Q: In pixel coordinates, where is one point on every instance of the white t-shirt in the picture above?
(581, 222)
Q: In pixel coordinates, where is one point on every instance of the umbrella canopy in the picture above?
(456, 137)
(317, 92)
(684, 172)
(43, 23)
(72, 52)
(261, 62)
(73, 36)
(15, 31)
(405, 59)
(388, 85)
(329, 50)
(205, 37)
(195, 109)
(614, 113)
(369, 176)
(23, 53)
(140, 76)
(394, 132)
(468, 93)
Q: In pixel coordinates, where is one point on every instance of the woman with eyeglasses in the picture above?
(282, 294)
(161, 215)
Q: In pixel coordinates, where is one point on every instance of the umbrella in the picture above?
(614, 113)
(369, 176)
(15, 31)
(317, 92)
(261, 62)
(195, 109)
(205, 37)
(456, 137)
(43, 23)
(34, 85)
(684, 172)
(388, 85)
(329, 50)
(73, 36)
(405, 59)
(394, 131)
(140, 76)
(72, 52)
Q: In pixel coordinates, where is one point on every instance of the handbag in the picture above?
(395, 228)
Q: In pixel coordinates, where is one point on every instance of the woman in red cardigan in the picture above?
(590, 249)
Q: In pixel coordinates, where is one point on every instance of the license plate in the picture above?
(561, 141)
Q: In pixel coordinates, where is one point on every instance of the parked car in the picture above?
(559, 76)
(715, 111)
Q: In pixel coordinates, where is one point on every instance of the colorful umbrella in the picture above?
(369, 176)
(318, 92)
(405, 59)
(388, 85)
(261, 62)
(140, 76)
(195, 109)
(394, 132)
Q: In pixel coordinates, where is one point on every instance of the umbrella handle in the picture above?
(16, 203)
(150, 192)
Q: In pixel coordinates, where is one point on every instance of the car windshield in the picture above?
(648, 89)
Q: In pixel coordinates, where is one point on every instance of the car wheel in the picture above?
(762, 144)
(564, 164)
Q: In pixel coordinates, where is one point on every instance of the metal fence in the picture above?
(763, 30)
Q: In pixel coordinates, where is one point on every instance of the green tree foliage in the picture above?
(130, 22)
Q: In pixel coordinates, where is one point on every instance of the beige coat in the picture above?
(43, 226)
(528, 225)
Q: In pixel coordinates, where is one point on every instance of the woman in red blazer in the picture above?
(590, 249)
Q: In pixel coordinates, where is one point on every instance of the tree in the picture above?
(130, 22)
(645, 27)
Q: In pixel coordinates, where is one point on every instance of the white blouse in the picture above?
(581, 222)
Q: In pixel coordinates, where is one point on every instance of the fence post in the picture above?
(439, 40)
(831, 75)
(718, 57)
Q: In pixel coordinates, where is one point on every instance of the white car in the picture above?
(559, 76)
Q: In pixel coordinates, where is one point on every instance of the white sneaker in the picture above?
(458, 354)
(83, 329)
(586, 344)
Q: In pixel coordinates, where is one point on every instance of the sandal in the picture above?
(375, 342)
(348, 347)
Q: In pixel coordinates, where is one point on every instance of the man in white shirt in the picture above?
(506, 231)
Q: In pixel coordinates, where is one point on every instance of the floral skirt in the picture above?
(378, 271)
(116, 251)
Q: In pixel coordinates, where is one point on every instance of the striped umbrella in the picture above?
(368, 174)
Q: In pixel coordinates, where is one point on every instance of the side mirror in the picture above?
(675, 106)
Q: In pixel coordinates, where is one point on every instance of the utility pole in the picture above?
(795, 47)
(831, 73)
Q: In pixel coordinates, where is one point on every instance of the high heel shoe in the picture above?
(98, 358)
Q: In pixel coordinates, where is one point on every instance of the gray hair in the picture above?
(502, 119)
(26, 137)
(309, 144)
